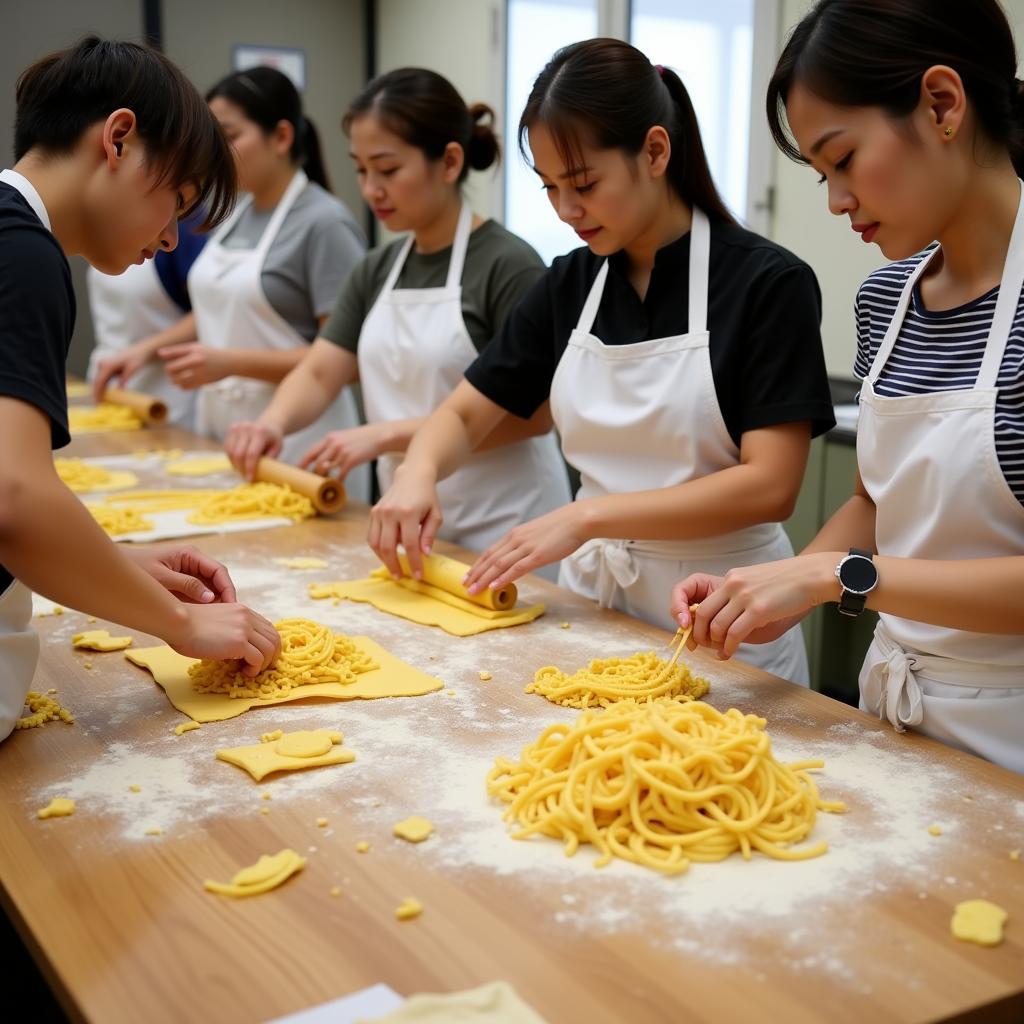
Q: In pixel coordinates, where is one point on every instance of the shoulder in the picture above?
(27, 250)
(503, 246)
(753, 254)
(883, 286)
(319, 211)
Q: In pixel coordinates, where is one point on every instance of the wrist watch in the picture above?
(857, 576)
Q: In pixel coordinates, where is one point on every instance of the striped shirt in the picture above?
(942, 351)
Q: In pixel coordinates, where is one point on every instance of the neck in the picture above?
(270, 193)
(672, 219)
(975, 240)
(440, 232)
(56, 181)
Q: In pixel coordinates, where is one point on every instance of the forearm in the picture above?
(65, 556)
(513, 429)
(852, 526)
(260, 364)
(719, 503)
(181, 332)
(440, 446)
(300, 399)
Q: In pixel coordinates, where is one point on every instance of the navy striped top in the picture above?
(942, 351)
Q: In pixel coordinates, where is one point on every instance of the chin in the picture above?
(112, 266)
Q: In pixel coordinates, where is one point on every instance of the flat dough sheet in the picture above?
(496, 1003)
(460, 618)
(175, 524)
(394, 678)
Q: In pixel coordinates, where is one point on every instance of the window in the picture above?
(535, 30)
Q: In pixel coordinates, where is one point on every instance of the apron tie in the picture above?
(611, 565)
(890, 684)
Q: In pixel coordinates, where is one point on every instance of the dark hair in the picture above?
(873, 53)
(267, 97)
(425, 110)
(608, 93)
(61, 96)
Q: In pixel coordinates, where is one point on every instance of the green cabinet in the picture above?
(835, 643)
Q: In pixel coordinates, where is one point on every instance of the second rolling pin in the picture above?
(446, 574)
(326, 494)
(146, 407)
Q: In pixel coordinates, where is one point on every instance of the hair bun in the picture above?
(483, 148)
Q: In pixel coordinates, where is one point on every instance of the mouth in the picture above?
(588, 234)
(382, 212)
(866, 231)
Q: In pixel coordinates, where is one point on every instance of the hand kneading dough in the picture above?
(100, 640)
(496, 1003)
(293, 751)
(979, 921)
(414, 829)
(267, 873)
(419, 602)
(59, 807)
(394, 678)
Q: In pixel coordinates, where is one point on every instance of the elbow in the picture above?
(777, 503)
(13, 501)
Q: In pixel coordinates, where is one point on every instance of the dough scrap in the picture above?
(495, 1003)
(417, 602)
(302, 562)
(88, 419)
(58, 807)
(979, 921)
(42, 708)
(169, 669)
(362, 846)
(100, 640)
(414, 829)
(409, 908)
(184, 727)
(87, 477)
(269, 737)
(1015, 855)
(267, 873)
(293, 752)
(934, 830)
(198, 465)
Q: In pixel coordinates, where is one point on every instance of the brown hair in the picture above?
(425, 110)
(607, 93)
(873, 53)
(62, 95)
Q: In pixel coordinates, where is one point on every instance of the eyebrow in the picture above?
(576, 172)
(825, 138)
(374, 156)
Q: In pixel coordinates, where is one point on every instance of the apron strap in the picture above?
(396, 268)
(893, 330)
(700, 262)
(589, 313)
(291, 193)
(459, 247)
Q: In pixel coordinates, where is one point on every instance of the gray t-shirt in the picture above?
(499, 269)
(318, 245)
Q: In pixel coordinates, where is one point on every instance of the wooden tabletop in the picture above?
(120, 923)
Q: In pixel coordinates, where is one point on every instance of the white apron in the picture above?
(232, 311)
(645, 416)
(930, 465)
(19, 642)
(413, 351)
(125, 309)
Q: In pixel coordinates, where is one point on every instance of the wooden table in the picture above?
(120, 924)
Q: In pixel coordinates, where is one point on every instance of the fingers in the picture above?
(107, 369)
(428, 532)
(257, 445)
(213, 574)
(189, 587)
(693, 590)
(314, 453)
(384, 541)
(410, 534)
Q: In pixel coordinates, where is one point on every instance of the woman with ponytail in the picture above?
(680, 354)
(415, 313)
(267, 280)
(910, 111)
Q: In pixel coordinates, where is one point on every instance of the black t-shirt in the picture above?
(37, 317)
(764, 316)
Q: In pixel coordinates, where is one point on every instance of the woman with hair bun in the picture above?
(911, 113)
(416, 312)
(266, 281)
(680, 353)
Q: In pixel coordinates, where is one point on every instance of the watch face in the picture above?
(858, 574)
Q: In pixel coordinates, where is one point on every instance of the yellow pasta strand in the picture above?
(118, 521)
(104, 416)
(42, 709)
(246, 501)
(310, 653)
(640, 677)
(662, 783)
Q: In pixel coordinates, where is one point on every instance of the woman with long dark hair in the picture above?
(415, 313)
(680, 354)
(112, 145)
(911, 112)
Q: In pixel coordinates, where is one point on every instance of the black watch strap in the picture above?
(849, 603)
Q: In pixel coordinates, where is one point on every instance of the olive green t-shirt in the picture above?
(499, 269)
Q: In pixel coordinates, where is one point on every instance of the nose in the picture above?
(169, 235)
(568, 207)
(372, 188)
(840, 200)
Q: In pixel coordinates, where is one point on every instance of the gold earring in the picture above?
(949, 133)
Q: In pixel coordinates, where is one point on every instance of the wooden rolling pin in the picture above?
(446, 574)
(326, 494)
(146, 407)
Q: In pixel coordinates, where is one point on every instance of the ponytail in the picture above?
(313, 160)
(607, 93)
(873, 53)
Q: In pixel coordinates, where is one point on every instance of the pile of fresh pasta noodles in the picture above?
(310, 653)
(662, 783)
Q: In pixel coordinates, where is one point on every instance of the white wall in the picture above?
(464, 41)
(803, 224)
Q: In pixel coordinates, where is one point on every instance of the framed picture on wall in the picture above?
(286, 59)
